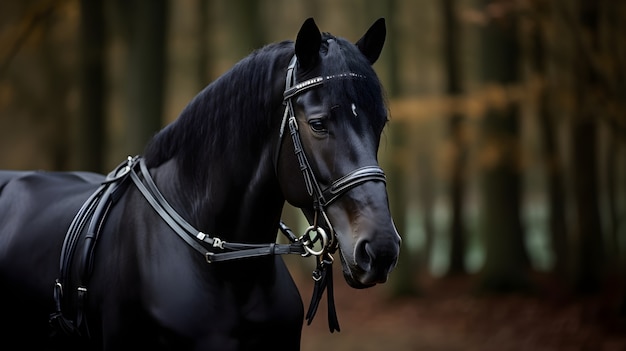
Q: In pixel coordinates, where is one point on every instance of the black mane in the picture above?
(236, 109)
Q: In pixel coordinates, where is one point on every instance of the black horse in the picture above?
(297, 121)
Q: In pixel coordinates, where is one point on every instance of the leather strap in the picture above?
(196, 238)
(321, 198)
(94, 211)
(214, 249)
(350, 180)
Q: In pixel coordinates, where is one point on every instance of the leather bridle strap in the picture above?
(196, 238)
(94, 212)
(349, 181)
(322, 198)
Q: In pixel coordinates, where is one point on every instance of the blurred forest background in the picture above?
(505, 154)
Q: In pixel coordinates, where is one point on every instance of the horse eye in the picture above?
(318, 125)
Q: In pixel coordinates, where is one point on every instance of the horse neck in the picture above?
(233, 203)
(221, 178)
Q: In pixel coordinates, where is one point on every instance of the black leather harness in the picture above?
(314, 242)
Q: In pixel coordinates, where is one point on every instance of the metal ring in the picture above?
(320, 234)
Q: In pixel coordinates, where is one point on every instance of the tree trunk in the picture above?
(204, 56)
(402, 280)
(91, 122)
(589, 267)
(552, 161)
(506, 261)
(247, 26)
(457, 133)
(147, 28)
(613, 31)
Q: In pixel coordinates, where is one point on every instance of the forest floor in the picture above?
(447, 316)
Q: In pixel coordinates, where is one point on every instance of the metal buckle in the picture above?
(219, 243)
(310, 242)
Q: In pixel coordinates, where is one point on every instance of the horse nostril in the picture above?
(363, 255)
(374, 260)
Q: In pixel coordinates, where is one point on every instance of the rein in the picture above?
(314, 242)
(196, 238)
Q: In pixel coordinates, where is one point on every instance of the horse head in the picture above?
(335, 114)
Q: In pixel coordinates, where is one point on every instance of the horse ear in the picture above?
(308, 44)
(371, 44)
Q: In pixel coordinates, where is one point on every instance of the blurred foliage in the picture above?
(570, 67)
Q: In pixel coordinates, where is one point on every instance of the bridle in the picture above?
(322, 198)
(315, 236)
(314, 242)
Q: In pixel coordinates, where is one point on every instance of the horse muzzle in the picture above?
(371, 259)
